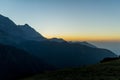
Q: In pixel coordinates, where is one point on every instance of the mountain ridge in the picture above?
(64, 54)
(17, 32)
(56, 52)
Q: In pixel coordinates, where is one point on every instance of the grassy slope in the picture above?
(101, 71)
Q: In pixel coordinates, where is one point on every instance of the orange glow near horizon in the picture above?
(87, 38)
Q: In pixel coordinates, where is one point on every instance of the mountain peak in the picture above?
(57, 40)
(5, 21)
(26, 25)
(9, 30)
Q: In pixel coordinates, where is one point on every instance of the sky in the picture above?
(77, 20)
(95, 21)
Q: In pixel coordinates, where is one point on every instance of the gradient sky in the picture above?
(68, 19)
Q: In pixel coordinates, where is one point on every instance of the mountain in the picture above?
(56, 52)
(65, 54)
(57, 40)
(16, 63)
(102, 71)
(10, 33)
(83, 43)
(29, 33)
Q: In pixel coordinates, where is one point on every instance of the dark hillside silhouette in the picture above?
(16, 63)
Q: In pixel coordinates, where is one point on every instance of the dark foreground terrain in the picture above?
(103, 71)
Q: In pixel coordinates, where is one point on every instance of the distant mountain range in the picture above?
(83, 43)
(32, 52)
